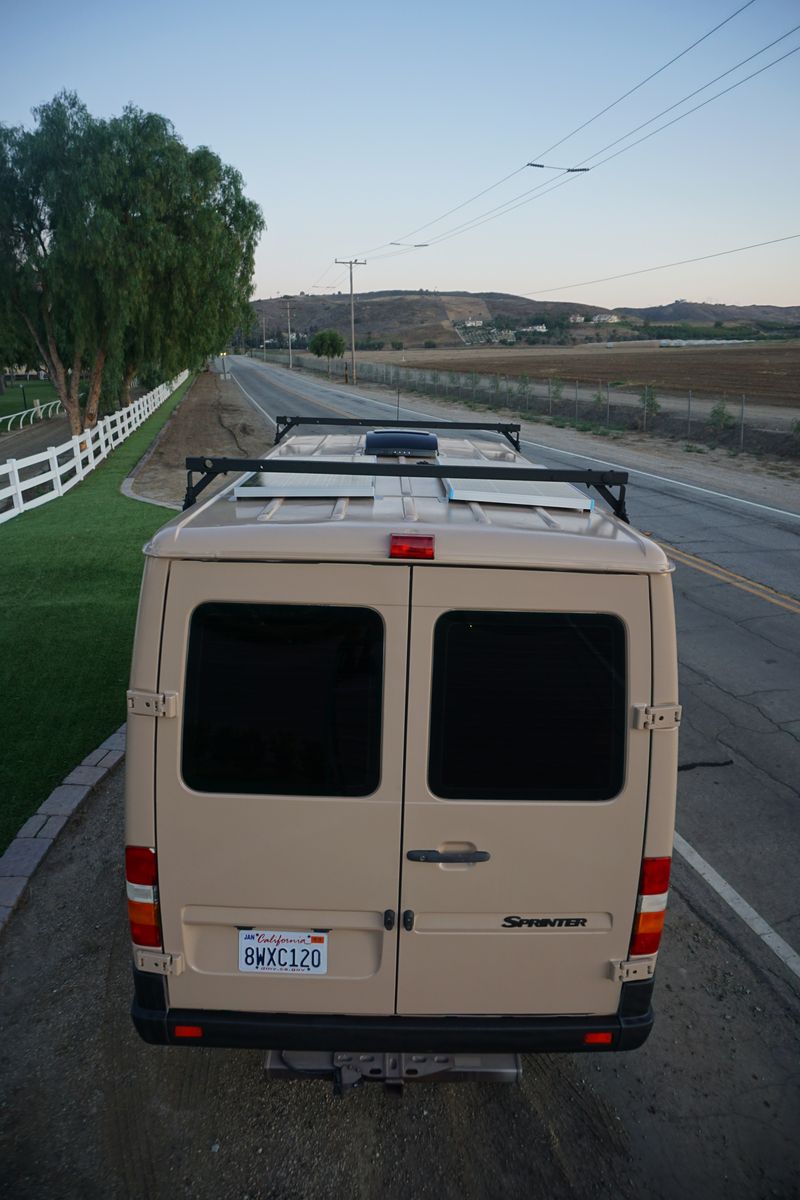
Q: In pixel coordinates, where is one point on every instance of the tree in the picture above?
(327, 344)
(15, 347)
(121, 251)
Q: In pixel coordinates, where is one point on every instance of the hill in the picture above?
(449, 318)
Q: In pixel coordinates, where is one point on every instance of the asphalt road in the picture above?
(709, 1106)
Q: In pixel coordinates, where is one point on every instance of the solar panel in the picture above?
(526, 492)
(265, 486)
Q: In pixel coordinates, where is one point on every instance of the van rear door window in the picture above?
(527, 706)
(283, 699)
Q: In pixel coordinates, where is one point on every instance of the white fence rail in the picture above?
(25, 483)
(39, 412)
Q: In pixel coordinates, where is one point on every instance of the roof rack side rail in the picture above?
(284, 424)
(601, 481)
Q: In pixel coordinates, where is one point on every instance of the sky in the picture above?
(357, 124)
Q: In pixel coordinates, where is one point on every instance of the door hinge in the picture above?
(157, 962)
(625, 970)
(656, 716)
(153, 704)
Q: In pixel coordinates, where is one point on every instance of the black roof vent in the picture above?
(401, 443)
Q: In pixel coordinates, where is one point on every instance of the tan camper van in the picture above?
(402, 748)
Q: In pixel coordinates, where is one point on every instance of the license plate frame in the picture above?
(283, 952)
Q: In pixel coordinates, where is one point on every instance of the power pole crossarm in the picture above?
(352, 262)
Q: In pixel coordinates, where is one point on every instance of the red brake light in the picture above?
(403, 545)
(140, 865)
(188, 1031)
(597, 1039)
(655, 876)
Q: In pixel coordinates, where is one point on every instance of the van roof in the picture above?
(265, 517)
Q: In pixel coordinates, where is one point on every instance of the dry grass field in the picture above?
(766, 372)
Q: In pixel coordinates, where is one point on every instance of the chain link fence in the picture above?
(733, 422)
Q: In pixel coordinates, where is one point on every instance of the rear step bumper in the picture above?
(629, 1028)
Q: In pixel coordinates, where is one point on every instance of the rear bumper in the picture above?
(629, 1028)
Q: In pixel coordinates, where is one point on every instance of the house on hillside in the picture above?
(576, 319)
(605, 319)
(533, 329)
(472, 323)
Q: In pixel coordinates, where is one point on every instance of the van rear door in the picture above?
(278, 786)
(526, 789)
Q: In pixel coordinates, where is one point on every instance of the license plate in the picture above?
(283, 952)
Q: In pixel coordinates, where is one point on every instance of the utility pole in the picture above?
(289, 327)
(352, 262)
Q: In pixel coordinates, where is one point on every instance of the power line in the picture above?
(527, 197)
(690, 96)
(608, 107)
(630, 91)
(663, 266)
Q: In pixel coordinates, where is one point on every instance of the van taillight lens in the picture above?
(403, 545)
(651, 906)
(141, 878)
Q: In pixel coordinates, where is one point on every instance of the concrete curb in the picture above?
(22, 857)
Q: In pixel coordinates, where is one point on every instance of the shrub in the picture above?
(720, 419)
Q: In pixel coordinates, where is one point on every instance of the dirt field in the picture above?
(214, 418)
(769, 372)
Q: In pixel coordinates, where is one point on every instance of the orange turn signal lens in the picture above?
(143, 919)
(647, 930)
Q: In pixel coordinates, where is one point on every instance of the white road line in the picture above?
(263, 411)
(665, 479)
(740, 906)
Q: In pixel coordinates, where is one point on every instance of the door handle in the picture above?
(449, 856)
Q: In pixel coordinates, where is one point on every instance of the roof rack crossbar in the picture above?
(602, 481)
(284, 424)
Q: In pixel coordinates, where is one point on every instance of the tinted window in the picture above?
(283, 699)
(527, 706)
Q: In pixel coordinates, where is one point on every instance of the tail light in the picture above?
(651, 906)
(141, 877)
(403, 545)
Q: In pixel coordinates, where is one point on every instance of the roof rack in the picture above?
(601, 481)
(284, 424)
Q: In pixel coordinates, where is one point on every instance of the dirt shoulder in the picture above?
(216, 418)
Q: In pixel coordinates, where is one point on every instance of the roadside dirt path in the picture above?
(214, 418)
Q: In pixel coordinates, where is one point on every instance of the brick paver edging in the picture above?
(37, 835)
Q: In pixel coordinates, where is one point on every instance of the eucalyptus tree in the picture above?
(119, 247)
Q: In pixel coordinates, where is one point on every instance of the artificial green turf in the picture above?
(69, 586)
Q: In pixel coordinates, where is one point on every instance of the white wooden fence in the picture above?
(38, 412)
(26, 483)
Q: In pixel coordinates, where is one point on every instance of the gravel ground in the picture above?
(709, 1106)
